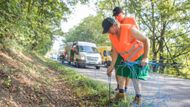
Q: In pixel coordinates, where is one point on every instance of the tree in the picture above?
(161, 18)
(165, 22)
(31, 24)
(89, 30)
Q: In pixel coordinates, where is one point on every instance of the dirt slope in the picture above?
(26, 81)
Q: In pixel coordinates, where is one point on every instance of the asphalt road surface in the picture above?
(157, 91)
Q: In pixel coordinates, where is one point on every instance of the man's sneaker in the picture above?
(119, 97)
(137, 100)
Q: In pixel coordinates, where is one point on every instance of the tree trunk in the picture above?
(161, 48)
(153, 37)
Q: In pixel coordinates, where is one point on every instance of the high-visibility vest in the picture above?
(127, 46)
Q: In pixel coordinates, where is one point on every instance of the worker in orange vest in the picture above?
(132, 45)
(119, 15)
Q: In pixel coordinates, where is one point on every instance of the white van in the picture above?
(82, 54)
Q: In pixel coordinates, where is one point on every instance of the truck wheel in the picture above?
(97, 67)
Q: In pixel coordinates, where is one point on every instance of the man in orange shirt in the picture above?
(120, 17)
(133, 46)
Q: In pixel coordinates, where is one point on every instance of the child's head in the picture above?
(118, 14)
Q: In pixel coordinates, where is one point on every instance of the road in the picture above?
(157, 91)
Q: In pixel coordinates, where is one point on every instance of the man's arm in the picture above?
(114, 58)
(141, 37)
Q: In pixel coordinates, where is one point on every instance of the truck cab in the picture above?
(105, 52)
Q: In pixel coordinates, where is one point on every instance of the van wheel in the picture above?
(84, 66)
(77, 64)
(97, 67)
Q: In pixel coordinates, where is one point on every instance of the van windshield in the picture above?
(88, 49)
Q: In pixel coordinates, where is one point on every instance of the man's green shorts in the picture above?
(136, 71)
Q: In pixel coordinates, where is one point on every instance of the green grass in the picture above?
(96, 92)
(83, 86)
